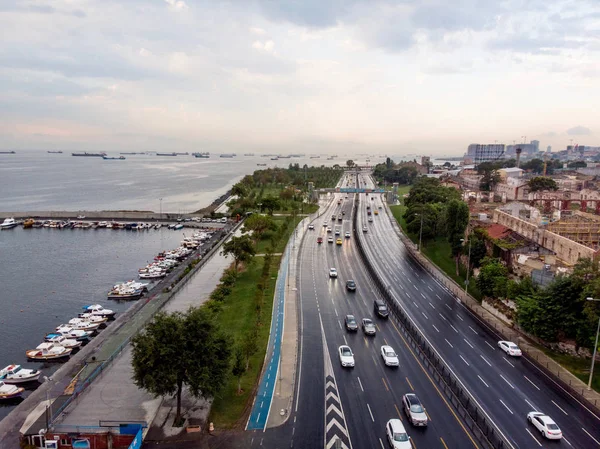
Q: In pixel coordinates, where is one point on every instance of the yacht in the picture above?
(97, 309)
(102, 224)
(94, 319)
(28, 223)
(60, 340)
(153, 274)
(80, 323)
(48, 351)
(8, 223)
(69, 332)
(10, 391)
(14, 374)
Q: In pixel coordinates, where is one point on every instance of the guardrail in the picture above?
(483, 429)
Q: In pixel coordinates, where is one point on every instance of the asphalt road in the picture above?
(506, 388)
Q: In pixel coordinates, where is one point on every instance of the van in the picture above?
(224, 220)
(380, 308)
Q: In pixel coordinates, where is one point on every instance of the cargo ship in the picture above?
(120, 158)
(201, 155)
(89, 154)
(54, 152)
(228, 155)
(166, 154)
(7, 152)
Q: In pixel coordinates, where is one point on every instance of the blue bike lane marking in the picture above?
(266, 387)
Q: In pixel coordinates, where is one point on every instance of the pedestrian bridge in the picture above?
(350, 190)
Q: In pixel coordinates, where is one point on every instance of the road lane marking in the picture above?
(438, 296)
(370, 413)
(459, 317)
(443, 442)
(484, 382)
(449, 308)
(506, 406)
(432, 306)
(449, 343)
(455, 329)
(443, 317)
(566, 440)
(409, 384)
(416, 305)
(490, 345)
(385, 384)
(538, 388)
(340, 323)
(531, 405)
(424, 297)
(435, 327)
(597, 442)
(425, 315)
(345, 341)
(485, 360)
(536, 440)
(467, 342)
(381, 442)
(506, 360)
(360, 383)
(463, 359)
(475, 332)
(504, 378)
(560, 408)
(336, 312)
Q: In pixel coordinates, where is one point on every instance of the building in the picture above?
(528, 149)
(512, 185)
(478, 153)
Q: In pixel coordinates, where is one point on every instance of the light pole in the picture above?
(420, 230)
(48, 404)
(468, 265)
(595, 348)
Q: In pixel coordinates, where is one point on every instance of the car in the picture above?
(337, 231)
(343, 212)
(350, 323)
(338, 241)
(380, 308)
(368, 327)
(333, 217)
(389, 356)
(332, 273)
(368, 207)
(339, 201)
(346, 356)
(369, 212)
(311, 227)
(510, 348)
(330, 239)
(396, 434)
(365, 229)
(380, 207)
(347, 234)
(328, 229)
(414, 410)
(376, 212)
(340, 218)
(350, 285)
(545, 425)
(370, 219)
(325, 224)
(319, 240)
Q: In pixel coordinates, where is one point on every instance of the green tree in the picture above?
(489, 180)
(456, 219)
(493, 278)
(241, 248)
(577, 164)
(239, 190)
(181, 349)
(478, 250)
(542, 183)
(534, 165)
(259, 224)
(270, 204)
(350, 163)
(239, 367)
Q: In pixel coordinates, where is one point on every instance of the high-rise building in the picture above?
(528, 149)
(478, 153)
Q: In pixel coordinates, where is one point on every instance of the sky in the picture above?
(313, 76)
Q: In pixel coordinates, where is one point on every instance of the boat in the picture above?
(10, 391)
(120, 158)
(249, 154)
(124, 291)
(14, 374)
(80, 217)
(63, 341)
(158, 226)
(48, 351)
(38, 224)
(228, 155)
(97, 309)
(103, 224)
(262, 165)
(86, 154)
(94, 319)
(153, 274)
(166, 154)
(75, 334)
(201, 155)
(28, 223)
(275, 158)
(54, 152)
(178, 226)
(8, 223)
(85, 325)
(8, 152)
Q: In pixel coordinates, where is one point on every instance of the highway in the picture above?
(506, 388)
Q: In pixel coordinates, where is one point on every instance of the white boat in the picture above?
(95, 319)
(80, 217)
(80, 323)
(60, 340)
(102, 224)
(14, 374)
(69, 332)
(158, 226)
(48, 351)
(10, 391)
(97, 309)
(8, 223)
(153, 274)
(178, 226)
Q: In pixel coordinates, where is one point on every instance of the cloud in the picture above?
(179, 62)
(267, 46)
(259, 31)
(177, 5)
(579, 131)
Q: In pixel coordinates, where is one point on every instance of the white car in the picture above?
(332, 273)
(337, 232)
(545, 425)
(325, 224)
(330, 239)
(365, 229)
(396, 435)
(328, 228)
(510, 348)
(347, 235)
(346, 356)
(389, 356)
(370, 219)
(311, 227)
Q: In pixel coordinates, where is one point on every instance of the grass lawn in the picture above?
(579, 367)
(261, 247)
(238, 317)
(439, 252)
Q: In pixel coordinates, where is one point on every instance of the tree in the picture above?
(259, 224)
(489, 180)
(350, 163)
(456, 219)
(534, 165)
(250, 345)
(239, 367)
(239, 190)
(241, 248)
(542, 183)
(179, 349)
(270, 204)
(478, 251)
(388, 163)
(493, 278)
(577, 164)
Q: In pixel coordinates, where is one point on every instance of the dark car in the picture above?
(319, 239)
(380, 308)
(351, 324)
(350, 285)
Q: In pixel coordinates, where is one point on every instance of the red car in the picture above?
(319, 239)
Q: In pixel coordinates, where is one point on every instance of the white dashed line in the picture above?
(531, 405)
(484, 359)
(432, 306)
(538, 388)
(450, 308)
(558, 406)
(429, 287)
(506, 360)
(467, 342)
(443, 317)
(506, 406)
(463, 359)
(504, 378)
(438, 296)
(360, 383)
(381, 442)
(597, 442)
(416, 305)
(455, 329)
(370, 413)
(459, 317)
(475, 332)
(336, 312)
(484, 382)
(448, 343)
(566, 440)
(435, 327)
(345, 341)
(490, 345)
(536, 440)
(425, 315)
(424, 297)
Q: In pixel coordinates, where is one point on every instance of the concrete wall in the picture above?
(567, 250)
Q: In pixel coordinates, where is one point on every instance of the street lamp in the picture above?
(595, 348)
(468, 265)
(48, 404)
